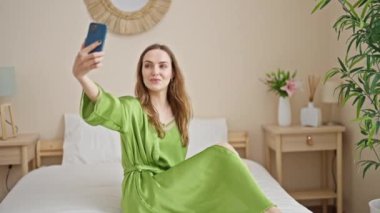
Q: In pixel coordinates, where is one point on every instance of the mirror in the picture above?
(129, 5)
(128, 17)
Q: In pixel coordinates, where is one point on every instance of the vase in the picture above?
(374, 206)
(284, 112)
(311, 116)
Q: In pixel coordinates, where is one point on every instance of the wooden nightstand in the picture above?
(239, 140)
(19, 150)
(307, 139)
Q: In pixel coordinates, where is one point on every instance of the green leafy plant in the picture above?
(281, 82)
(360, 71)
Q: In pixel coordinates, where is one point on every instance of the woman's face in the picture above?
(157, 70)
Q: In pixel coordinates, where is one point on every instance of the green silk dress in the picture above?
(158, 179)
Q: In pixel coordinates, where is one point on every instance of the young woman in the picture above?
(153, 128)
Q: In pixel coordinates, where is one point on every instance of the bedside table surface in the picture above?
(275, 129)
(20, 140)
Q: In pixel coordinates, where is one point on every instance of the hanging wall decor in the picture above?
(125, 17)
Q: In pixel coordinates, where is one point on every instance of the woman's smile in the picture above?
(155, 80)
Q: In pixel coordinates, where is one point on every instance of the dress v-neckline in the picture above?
(168, 123)
(168, 126)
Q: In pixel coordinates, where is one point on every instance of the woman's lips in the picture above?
(155, 81)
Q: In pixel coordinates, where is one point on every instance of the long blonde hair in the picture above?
(176, 95)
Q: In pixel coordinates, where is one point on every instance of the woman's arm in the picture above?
(83, 64)
(97, 106)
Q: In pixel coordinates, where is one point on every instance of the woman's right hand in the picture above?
(86, 61)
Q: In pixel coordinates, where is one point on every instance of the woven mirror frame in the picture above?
(127, 23)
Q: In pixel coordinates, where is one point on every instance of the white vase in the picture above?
(284, 112)
(311, 115)
(374, 206)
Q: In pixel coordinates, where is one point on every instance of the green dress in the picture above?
(158, 179)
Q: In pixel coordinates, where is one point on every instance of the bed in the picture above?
(89, 179)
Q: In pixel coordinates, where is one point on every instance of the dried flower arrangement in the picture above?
(313, 82)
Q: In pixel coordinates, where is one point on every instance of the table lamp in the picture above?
(330, 96)
(7, 90)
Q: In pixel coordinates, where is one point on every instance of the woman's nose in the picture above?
(155, 70)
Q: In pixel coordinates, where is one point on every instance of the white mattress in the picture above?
(97, 189)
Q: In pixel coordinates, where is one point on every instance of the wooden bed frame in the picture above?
(54, 148)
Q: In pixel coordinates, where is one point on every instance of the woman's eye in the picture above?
(146, 65)
(163, 66)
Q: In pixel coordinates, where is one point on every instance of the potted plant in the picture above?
(359, 71)
(284, 85)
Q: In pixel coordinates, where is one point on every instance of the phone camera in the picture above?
(93, 27)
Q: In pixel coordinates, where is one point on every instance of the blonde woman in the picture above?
(153, 127)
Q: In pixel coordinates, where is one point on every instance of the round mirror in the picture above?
(129, 5)
(128, 16)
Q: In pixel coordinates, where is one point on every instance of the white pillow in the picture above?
(86, 144)
(204, 133)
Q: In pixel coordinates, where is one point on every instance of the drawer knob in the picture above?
(309, 140)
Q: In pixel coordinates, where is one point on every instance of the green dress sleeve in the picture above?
(107, 110)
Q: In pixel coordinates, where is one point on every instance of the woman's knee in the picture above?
(228, 146)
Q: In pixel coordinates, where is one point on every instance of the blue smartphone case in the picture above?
(96, 32)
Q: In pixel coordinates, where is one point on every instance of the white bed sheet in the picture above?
(97, 189)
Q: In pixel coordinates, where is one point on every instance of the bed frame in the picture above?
(54, 147)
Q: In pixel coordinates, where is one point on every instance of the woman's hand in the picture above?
(86, 61)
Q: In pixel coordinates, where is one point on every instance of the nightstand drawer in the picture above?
(308, 142)
(10, 155)
(13, 154)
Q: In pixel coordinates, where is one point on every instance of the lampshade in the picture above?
(329, 94)
(7, 81)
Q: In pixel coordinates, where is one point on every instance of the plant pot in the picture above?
(284, 112)
(374, 206)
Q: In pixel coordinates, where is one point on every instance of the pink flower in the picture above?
(290, 87)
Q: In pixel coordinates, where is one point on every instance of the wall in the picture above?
(224, 48)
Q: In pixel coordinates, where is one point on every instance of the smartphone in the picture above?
(96, 32)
